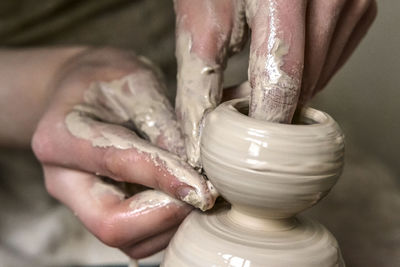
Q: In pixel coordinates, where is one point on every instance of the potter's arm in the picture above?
(317, 34)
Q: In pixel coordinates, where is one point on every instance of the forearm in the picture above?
(25, 87)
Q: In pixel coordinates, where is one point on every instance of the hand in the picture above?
(87, 150)
(286, 35)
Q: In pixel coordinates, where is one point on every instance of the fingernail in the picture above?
(189, 195)
(213, 191)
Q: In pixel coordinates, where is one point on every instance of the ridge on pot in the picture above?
(271, 170)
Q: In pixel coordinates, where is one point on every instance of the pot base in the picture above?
(215, 239)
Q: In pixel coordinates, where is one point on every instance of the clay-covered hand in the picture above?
(285, 36)
(89, 150)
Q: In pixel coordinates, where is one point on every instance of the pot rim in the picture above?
(317, 116)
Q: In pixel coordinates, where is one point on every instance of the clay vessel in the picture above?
(269, 172)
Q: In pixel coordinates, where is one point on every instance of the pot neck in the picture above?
(259, 221)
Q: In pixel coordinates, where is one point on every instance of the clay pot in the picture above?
(269, 169)
(269, 172)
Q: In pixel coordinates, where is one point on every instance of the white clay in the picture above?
(269, 172)
(138, 98)
(275, 92)
(197, 94)
(276, 79)
(101, 135)
(200, 80)
(239, 27)
(151, 199)
(116, 102)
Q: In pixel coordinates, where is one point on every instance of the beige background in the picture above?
(365, 95)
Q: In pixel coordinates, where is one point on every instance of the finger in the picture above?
(150, 245)
(276, 57)
(104, 209)
(358, 34)
(204, 30)
(321, 20)
(351, 15)
(138, 97)
(116, 152)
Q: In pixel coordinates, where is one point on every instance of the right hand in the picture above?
(286, 36)
(81, 139)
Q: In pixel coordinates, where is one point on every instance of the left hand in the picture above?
(109, 117)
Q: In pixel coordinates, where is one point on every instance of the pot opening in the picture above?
(298, 117)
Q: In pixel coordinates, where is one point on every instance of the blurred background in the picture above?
(363, 210)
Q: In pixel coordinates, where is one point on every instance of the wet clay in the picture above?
(271, 169)
(274, 92)
(200, 78)
(119, 101)
(240, 29)
(138, 98)
(269, 172)
(197, 94)
(151, 199)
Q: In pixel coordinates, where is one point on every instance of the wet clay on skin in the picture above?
(140, 203)
(138, 98)
(197, 94)
(275, 92)
(151, 199)
(119, 101)
(199, 80)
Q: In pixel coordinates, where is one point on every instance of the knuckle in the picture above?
(175, 215)
(360, 6)
(112, 164)
(136, 253)
(207, 43)
(105, 53)
(115, 163)
(334, 7)
(108, 232)
(50, 185)
(141, 251)
(108, 61)
(41, 145)
(54, 182)
(209, 39)
(338, 3)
